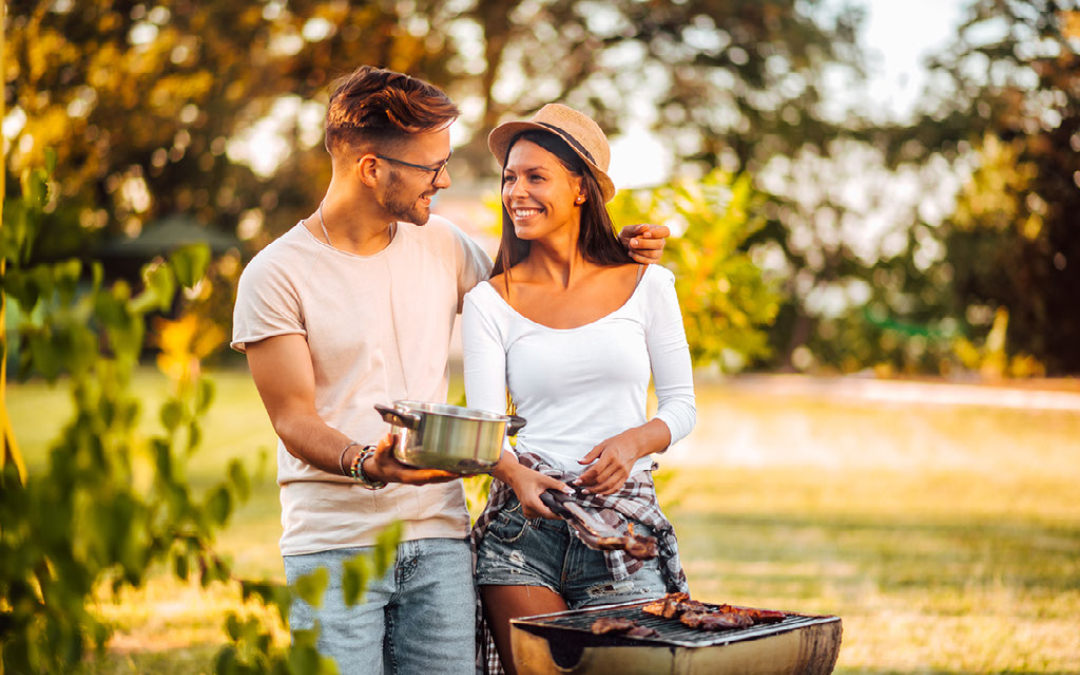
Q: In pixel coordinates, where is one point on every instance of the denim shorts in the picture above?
(520, 551)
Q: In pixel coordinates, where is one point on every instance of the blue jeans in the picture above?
(419, 618)
(518, 551)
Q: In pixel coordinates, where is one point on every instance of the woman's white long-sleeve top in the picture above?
(577, 387)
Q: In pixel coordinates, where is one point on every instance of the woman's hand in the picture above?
(614, 459)
(528, 485)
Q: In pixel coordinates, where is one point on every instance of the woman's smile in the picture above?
(525, 213)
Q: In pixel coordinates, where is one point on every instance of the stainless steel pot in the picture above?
(448, 437)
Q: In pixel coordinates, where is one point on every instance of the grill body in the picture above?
(562, 643)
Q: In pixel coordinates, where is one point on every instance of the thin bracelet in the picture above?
(341, 459)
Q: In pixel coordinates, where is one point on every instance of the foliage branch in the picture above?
(110, 508)
(726, 300)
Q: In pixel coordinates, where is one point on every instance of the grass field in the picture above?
(948, 539)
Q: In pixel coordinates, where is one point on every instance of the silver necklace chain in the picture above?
(322, 223)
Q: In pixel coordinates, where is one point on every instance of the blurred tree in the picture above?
(734, 82)
(1008, 101)
(725, 300)
(151, 105)
(157, 106)
(148, 97)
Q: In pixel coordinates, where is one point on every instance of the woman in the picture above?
(572, 328)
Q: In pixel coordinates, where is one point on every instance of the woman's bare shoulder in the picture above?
(626, 275)
(498, 282)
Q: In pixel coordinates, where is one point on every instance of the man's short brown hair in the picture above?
(374, 109)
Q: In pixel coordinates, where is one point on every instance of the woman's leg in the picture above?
(502, 603)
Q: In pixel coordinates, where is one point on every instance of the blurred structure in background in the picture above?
(944, 243)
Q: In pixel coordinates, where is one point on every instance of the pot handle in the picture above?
(516, 424)
(401, 418)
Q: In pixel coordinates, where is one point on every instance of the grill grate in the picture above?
(672, 632)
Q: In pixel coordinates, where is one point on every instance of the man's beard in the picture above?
(402, 206)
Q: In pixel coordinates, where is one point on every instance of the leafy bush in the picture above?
(726, 300)
(110, 506)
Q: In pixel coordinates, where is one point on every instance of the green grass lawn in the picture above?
(955, 550)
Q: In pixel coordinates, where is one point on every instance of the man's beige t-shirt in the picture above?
(378, 328)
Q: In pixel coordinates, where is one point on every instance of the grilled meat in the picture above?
(608, 625)
(705, 620)
(754, 614)
(667, 606)
(643, 632)
(639, 546)
(709, 617)
(627, 627)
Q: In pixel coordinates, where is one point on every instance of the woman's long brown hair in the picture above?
(597, 241)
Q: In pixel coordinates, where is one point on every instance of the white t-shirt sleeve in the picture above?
(485, 356)
(669, 353)
(267, 305)
(473, 265)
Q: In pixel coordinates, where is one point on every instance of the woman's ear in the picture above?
(579, 185)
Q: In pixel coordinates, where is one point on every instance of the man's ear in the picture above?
(366, 168)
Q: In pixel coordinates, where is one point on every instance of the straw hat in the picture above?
(582, 135)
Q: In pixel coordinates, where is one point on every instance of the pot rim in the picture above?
(447, 410)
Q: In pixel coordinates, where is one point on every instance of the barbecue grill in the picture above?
(562, 642)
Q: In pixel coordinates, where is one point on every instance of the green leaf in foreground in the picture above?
(190, 263)
(311, 587)
(355, 574)
(386, 547)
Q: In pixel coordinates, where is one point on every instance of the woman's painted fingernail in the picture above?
(633, 242)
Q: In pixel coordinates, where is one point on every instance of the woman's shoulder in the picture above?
(640, 277)
(657, 276)
(626, 276)
(497, 283)
(655, 289)
(484, 295)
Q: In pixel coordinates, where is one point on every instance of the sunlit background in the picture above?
(877, 241)
(906, 153)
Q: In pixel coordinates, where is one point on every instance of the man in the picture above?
(351, 307)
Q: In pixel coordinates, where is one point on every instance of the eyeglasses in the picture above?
(439, 171)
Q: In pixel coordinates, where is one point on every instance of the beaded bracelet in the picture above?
(357, 469)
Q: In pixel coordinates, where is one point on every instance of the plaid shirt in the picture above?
(635, 501)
